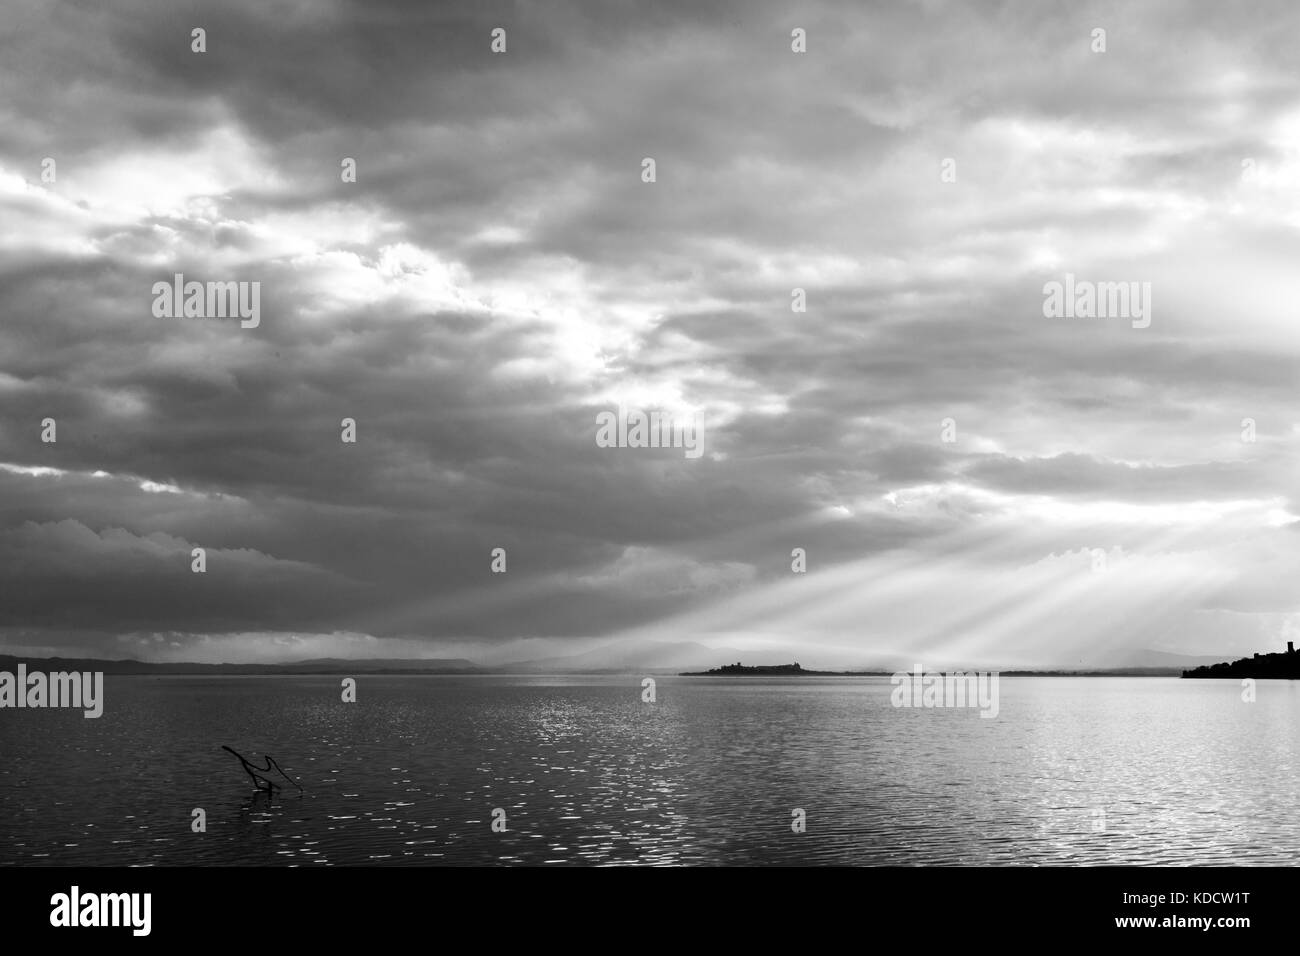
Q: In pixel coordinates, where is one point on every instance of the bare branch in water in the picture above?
(258, 774)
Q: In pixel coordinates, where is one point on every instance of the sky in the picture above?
(971, 481)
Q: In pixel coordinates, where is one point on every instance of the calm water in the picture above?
(1185, 772)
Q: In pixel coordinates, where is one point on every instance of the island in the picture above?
(775, 670)
(1277, 666)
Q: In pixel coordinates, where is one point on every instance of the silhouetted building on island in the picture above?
(757, 669)
(1279, 666)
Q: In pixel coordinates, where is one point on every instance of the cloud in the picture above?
(499, 273)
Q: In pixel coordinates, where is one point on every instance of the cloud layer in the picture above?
(499, 273)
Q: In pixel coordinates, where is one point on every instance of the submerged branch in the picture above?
(258, 774)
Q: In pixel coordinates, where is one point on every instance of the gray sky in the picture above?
(499, 274)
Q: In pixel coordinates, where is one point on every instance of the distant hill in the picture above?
(1139, 663)
(1148, 658)
(619, 658)
(652, 658)
(327, 665)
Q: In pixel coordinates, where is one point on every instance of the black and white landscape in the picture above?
(417, 399)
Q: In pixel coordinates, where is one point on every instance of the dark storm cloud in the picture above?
(499, 274)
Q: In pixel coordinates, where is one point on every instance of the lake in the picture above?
(1071, 771)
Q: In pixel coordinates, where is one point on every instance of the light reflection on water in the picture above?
(1184, 771)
